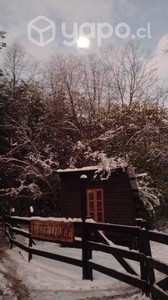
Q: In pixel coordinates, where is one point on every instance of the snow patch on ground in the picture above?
(49, 279)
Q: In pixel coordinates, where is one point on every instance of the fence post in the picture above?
(88, 237)
(11, 233)
(86, 252)
(1, 226)
(4, 226)
(147, 252)
(147, 273)
(30, 243)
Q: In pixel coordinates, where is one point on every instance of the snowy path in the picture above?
(43, 279)
(11, 287)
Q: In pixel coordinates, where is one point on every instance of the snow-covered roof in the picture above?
(89, 168)
(141, 175)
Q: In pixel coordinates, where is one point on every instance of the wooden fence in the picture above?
(145, 280)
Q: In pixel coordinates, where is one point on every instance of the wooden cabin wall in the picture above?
(118, 200)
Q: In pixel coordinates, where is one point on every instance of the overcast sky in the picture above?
(151, 15)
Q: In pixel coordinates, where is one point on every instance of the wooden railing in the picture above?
(145, 280)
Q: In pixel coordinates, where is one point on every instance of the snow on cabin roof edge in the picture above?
(89, 168)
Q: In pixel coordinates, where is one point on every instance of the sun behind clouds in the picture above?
(83, 42)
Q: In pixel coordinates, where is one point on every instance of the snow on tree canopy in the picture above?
(109, 165)
(150, 196)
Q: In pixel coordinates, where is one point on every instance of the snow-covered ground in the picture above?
(43, 278)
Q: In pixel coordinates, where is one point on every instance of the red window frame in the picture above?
(95, 204)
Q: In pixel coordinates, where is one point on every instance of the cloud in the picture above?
(77, 11)
(162, 57)
(70, 11)
(127, 8)
(15, 15)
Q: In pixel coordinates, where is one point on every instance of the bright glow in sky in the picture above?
(83, 42)
(148, 18)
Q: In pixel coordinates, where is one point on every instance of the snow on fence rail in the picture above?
(145, 280)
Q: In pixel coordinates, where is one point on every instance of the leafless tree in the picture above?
(2, 37)
(18, 65)
(94, 90)
(63, 81)
(132, 73)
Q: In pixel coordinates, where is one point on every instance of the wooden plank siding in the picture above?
(119, 204)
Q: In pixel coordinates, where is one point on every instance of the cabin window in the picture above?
(95, 204)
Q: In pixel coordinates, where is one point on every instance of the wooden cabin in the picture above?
(110, 199)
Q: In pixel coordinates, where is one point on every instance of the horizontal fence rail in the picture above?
(65, 259)
(158, 293)
(132, 255)
(157, 265)
(130, 279)
(122, 229)
(144, 281)
(158, 237)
